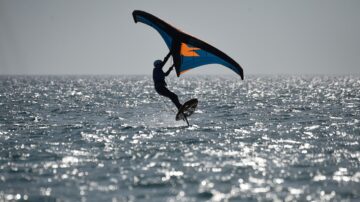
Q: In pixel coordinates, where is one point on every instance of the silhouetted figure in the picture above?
(159, 81)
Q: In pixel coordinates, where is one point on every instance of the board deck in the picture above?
(187, 109)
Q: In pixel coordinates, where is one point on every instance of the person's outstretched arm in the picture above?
(169, 70)
(166, 58)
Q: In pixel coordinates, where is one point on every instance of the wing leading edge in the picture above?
(188, 52)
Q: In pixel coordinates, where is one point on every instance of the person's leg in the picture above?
(167, 93)
(175, 99)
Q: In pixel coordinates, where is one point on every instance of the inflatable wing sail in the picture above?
(188, 52)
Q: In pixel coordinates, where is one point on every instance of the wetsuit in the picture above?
(160, 84)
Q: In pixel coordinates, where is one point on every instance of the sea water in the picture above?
(112, 138)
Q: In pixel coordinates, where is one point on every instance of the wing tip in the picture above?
(241, 73)
(134, 13)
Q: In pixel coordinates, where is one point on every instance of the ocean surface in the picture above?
(112, 138)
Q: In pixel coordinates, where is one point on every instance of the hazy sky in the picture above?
(100, 37)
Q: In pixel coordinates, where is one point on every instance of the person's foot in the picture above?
(179, 107)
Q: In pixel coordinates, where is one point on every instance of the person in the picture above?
(159, 81)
